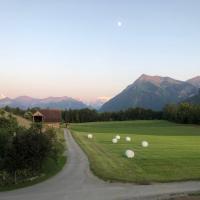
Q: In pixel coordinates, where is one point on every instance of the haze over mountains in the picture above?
(65, 102)
(97, 104)
(152, 92)
(25, 102)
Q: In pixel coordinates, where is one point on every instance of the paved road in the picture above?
(76, 182)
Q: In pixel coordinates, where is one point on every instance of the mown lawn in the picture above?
(173, 154)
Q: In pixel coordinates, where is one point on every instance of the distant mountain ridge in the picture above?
(195, 81)
(152, 92)
(96, 104)
(25, 102)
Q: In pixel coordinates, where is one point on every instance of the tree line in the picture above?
(88, 115)
(186, 113)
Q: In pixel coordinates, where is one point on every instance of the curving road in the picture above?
(76, 182)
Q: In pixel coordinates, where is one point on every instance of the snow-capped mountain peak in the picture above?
(2, 96)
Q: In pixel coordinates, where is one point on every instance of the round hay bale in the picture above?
(145, 144)
(114, 140)
(129, 153)
(118, 137)
(128, 139)
(90, 136)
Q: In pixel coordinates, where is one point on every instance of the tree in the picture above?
(183, 113)
(27, 151)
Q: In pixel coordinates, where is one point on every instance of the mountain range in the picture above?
(150, 92)
(25, 102)
(153, 92)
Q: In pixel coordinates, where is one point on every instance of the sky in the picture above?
(90, 49)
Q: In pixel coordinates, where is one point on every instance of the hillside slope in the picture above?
(150, 92)
(195, 81)
(21, 121)
(194, 99)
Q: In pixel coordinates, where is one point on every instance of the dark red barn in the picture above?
(47, 116)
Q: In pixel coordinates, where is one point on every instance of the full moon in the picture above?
(119, 23)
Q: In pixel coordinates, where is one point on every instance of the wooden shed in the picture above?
(50, 117)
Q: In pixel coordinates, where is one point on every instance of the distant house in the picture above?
(50, 117)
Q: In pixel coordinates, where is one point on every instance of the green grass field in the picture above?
(173, 153)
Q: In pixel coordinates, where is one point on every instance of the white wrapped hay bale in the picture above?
(128, 139)
(145, 144)
(129, 154)
(90, 136)
(114, 140)
(118, 137)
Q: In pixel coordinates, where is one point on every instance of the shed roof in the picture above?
(37, 114)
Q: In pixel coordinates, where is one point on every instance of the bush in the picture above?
(23, 151)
